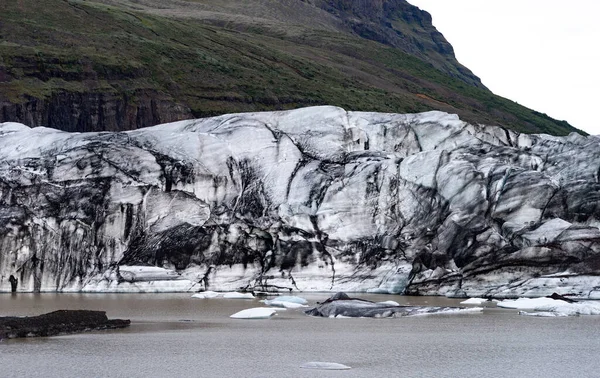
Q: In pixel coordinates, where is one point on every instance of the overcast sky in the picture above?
(543, 54)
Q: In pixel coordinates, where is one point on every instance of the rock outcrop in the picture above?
(402, 25)
(96, 111)
(310, 199)
(58, 323)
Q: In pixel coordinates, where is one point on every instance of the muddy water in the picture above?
(173, 335)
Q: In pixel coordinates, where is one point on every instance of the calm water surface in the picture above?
(173, 335)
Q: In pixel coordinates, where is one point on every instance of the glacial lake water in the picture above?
(173, 335)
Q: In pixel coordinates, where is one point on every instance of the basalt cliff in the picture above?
(311, 199)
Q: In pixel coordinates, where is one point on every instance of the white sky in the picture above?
(543, 54)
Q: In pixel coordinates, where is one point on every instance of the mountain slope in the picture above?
(118, 64)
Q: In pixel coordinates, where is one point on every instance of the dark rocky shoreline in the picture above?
(57, 323)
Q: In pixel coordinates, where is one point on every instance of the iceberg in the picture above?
(572, 309)
(255, 313)
(474, 301)
(290, 298)
(290, 305)
(324, 366)
(236, 295)
(529, 303)
(564, 307)
(341, 306)
(544, 314)
(206, 294)
(286, 302)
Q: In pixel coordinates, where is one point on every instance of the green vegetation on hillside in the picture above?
(54, 46)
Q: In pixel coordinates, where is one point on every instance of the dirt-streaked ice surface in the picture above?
(313, 199)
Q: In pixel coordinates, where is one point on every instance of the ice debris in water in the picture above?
(236, 295)
(286, 302)
(474, 301)
(290, 305)
(546, 304)
(255, 313)
(544, 314)
(206, 294)
(324, 366)
(528, 303)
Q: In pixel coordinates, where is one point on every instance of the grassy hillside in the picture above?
(211, 64)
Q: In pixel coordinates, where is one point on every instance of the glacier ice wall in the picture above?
(310, 199)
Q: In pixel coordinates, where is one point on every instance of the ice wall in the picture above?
(310, 199)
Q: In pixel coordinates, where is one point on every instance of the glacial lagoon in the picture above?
(174, 335)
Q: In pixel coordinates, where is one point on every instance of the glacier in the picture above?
(312, 199)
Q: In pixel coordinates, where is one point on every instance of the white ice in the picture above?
(236, 295)
(572, 309)
(553, 305)
(529, 303)
(324, 366)
(290, 305)
(451, 311)
(390, 303)
(474, 301)
(255, 313)
(285, 299)
(206, 294)
(544, 314)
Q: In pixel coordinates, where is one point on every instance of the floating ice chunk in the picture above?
(544, 314)
(255, 313)
(286, 302)
(389, 303)
(572, 309)
(289, 298)
(206, 294)
(342, 304)
(474, 301)
(445, 311)
(324, 366)
(236, 295)
(529, 303)
(553, 305)
(290, 305)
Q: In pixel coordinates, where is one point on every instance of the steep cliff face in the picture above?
(310, 199)
(401, 25)
(96, 111)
